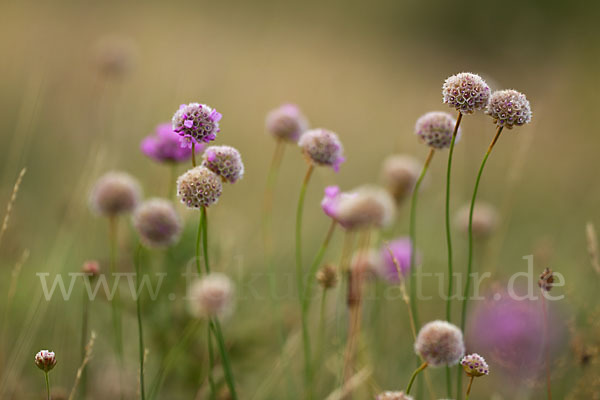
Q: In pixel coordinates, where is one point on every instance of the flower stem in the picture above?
(211, 363)
(193, 154)
(546, 345)
(413, 376)
(198, 241)
(47, 384)
(469, 388)
(115, 303)
(449, 239)
(84, 330)
(171, 189)
(300, 279)
(138, 272)
(470, 256)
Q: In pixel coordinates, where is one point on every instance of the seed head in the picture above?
(466, 92)
(509, 108)
(401, 250)
(115, 193)
(199, 187)
(165, 146)
(157, 223)
(440, 343)
(322, 147)
(435, 129)
(224, 161)
(327, 276)
(45, 360)
(546, 280)
(485, 219)
(393, 396)
(475, 365)
(368, 207)
(286, 123)
(399, 174)
(211, 296)
(91, 268)
(196, 123)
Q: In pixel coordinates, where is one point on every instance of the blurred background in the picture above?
(81, 83)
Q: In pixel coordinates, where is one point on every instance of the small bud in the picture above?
(546, 280)
(327, 276)
(91, 268)
(45, 360)
(475, 365)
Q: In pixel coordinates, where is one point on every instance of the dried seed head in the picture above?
(466, 92)
(115, 193)
(393, 396)
(368, 207)
(286, 123)
(400, 173)
(322, 147)
(45, 360)
(211, 296)
(224, 161)
(440, 343)
(91, 268)
(399, 258)
(509, 108)
(157, 223)
(435, 129)
(546, 280)
(485, 219)
(196, 123)
(475, 365)
(327, 276)
(199, 187)
(165, 146)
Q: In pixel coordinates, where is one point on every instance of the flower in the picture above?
(45, 360)
(91, 268)
(509, 108)
(322, 147)
(435, 129)
(331, 200)
(369, 206)
(399, 174)
(211, 296)
(546, 280)
(115, 193)
(286, 123)
(475, 365)
(393, 396)
(157, 223)
(440, 343)
(485, 219)
(165, 145)
(224, 161)
(196, 123)
(199, 187)
(401, 249)
(466, 92)
(327, 276)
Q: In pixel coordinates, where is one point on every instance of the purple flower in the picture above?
(286, 123)
(322, 147)
(401, 249)
(196, 123)
(165, 146)
(331, 201)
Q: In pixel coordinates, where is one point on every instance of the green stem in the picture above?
(413, 376)
(469, 388)
(470, 256)
(84, 331)
(47, 384)
(115, 303)
(193, 154)
(198, 240)
(171, 189)
(138, 272)
(300, 279)
(211, 363)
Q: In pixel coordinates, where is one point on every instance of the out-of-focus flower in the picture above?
(157, 223)
(485, 219)
(331, 201)
(399, 174)
(509, 108)
(440, 343)
(196, 123)
(435, 129)
(224, 161)
(368, 207)
(401, 250)
(286, 123)
(327, 276)
(546, 280)
(91, 268)
(115, 193)
(322, 147)
(211, 296)
(115, 55)
(165, 146)
(393, 396)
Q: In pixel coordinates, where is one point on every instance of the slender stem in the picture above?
(204, 220)
(546, 345)
(193, 154)
(321, 331)
(198, 241)
(469, 387)
(138, 272)
(47, 384)
(171, 189)
(211, 363)
(84, 331)
(300, 279)
(470, 256)
(413, 376)
(115, 303)
(449, 240)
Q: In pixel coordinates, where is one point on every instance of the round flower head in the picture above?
(327, 276)
(466, 92)
(115, 193)
(91, 268)
(393, 396)
(509, 108)
(485, 219)
(401, 251)
(211, 296)
(400, 173)
(435, 129)
(475, 365)
(440, 343)
(224, 161)
(199, 187)
(367, 207)
(45, 360)
(322, 147)
(157, 223)
(165, 146)
(196, 123)
(286, 123)
(331, 200)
